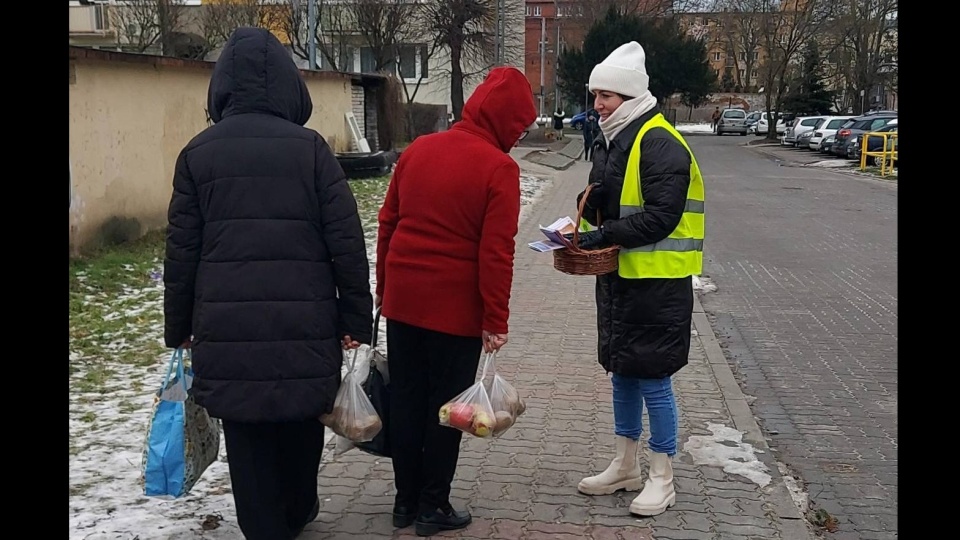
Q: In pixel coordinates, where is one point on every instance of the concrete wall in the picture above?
(702, 114)
(130, 115)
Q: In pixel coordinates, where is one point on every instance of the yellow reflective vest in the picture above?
(680, 254)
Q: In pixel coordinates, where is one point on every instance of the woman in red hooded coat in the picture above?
(444, 272)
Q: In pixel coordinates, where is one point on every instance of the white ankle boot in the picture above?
(658, 493)
(622, 473)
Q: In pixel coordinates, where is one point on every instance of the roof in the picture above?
(88, 53)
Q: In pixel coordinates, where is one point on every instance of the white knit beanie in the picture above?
(623, 72)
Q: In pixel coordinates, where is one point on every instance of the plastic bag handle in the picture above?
(353, 361)
(376, 329)
(487, 360)
(176, 358)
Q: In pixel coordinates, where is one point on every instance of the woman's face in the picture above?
(606, 102)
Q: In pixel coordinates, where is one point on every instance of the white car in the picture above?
(763, 125)
(829, 127)
(798, 127)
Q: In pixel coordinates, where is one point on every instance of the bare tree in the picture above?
(594, 10)
(384, 25)
(865, 48)
(784, 26)
(333, 28)
(143, 24)
(742, 33)
(465, 32)
(218, 20)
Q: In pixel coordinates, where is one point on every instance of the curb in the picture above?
(793, 524)
(852, 172)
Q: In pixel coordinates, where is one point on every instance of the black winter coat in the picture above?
(266, 265)
(643, 324)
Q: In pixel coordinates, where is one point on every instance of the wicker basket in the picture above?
(578, 262)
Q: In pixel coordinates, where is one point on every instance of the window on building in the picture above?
(743, 56)
(717, 56)
(743, 74)
(413, 62)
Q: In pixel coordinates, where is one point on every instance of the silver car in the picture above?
(732, 121)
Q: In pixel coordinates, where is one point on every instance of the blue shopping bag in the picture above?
(182, 440)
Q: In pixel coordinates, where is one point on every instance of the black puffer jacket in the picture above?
(643, 324)
(266, 265)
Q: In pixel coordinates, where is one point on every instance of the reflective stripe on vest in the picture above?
(681, 253)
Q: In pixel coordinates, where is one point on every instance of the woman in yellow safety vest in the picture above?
(649, 196)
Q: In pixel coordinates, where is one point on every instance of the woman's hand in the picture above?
(377, 301)
(348, 343)
(492, 342)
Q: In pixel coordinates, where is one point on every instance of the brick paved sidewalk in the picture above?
(523, 486)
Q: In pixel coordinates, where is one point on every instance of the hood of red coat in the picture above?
(501, 107)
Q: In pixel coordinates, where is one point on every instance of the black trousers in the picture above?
(427, 369)
(273, 472)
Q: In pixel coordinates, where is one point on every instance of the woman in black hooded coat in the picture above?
(266, 278)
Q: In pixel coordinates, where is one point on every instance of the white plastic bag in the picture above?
(353, 416)
(505, 400)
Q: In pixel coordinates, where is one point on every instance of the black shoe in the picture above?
(442, 520)
(403, 516)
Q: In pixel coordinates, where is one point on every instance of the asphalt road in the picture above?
(805, 261)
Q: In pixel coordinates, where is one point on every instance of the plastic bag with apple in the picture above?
(505, 400)
(353, 416)
(473, 411)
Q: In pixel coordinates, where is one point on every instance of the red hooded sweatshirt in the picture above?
(446, 242)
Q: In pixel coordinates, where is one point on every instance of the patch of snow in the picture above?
(832, 163)
(703, 284)
(800, 497)
(726, 449)
(694, 128)
(531, 187)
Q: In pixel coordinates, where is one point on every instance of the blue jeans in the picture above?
(629, 396)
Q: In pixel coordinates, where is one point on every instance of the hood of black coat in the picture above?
(255, 74)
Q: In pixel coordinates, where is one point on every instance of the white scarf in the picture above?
(627, 112)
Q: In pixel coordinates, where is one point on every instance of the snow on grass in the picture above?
(694, 128)
(117, 361)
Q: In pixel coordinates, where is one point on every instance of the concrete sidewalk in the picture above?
(523, 486)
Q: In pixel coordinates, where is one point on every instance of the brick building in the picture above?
(555, 24)
(550, 26)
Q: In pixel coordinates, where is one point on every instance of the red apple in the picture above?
(461, 416)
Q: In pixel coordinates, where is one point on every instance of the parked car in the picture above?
(763, 124)
(803, 141)
(578, 120)
(826, 145)
(732, 121)
(751, 121)
(860, 125)
(874, 143)
(829, 127)
(798, 127)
